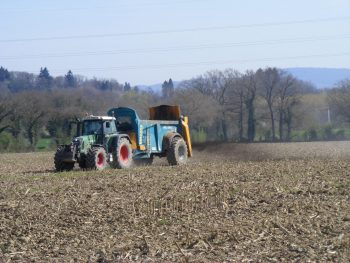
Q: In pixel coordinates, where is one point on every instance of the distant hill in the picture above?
(320, 77)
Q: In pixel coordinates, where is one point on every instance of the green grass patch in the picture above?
(43, 144)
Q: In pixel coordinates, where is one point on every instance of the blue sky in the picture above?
(148, 41)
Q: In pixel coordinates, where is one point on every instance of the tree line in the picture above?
(264, 105)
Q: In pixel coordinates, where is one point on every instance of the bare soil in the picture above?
(231, 203)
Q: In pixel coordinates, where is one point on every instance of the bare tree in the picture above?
(200, 109)
(5, 112)
(288, 98)
(339, 100)
(268, 80)
(6, 108)
(249, 83)
(289, 115)
(32, 110)
(236, 98)
(214, 85)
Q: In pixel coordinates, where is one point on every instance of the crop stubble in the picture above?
(233, 203)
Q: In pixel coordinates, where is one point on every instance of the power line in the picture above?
(204, 63)
(177, 48)
(188, 30)
(123, 5)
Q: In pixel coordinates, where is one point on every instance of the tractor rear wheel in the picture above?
(96, 159)
(60, 165)
(122, 154)
(177, 152)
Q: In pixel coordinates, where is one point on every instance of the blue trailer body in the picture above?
(151, 134)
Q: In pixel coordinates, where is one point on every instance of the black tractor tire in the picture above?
(177, 152)
(96, 159)
(143, 161)
(60, 165)
(82, 161)
(122, 155)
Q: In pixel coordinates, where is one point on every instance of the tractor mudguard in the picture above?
(97, 145)
(114, 140)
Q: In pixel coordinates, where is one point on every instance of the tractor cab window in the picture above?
(109, 127)
(92, 127)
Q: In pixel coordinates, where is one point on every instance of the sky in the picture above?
(148, 41)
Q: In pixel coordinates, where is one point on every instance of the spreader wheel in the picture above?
(177, 152)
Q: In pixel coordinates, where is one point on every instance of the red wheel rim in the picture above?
(124, 153)
(100, 159)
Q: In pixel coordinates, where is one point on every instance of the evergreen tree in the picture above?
(4, 74)
(105, 85)
(127, 87)
(44, 73)
(44, 80)
(69, 79)
(168, 88)
(165, 89)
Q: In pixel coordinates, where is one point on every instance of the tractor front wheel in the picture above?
(60, 164)
(82, 161)
(96, 159)
(122, 154)
(177, 152)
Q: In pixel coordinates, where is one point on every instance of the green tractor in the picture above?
(122, 138)
(89, 149)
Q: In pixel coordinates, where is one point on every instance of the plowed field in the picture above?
(231, 203)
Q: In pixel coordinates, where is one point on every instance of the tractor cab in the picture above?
(95, 128)
(96, 125)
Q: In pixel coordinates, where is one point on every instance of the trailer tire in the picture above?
(96, 159)
(122, 155)
(177, 152)
(60, 165)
